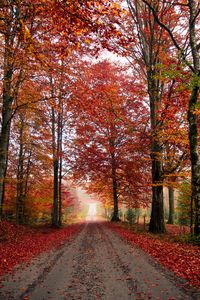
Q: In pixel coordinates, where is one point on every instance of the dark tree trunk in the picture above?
(27, 172)
(191, 216)
(60, 132)
(6, 117)
(57, 180)
(157, 224)
(171, 205)
(20, 178)
(55, 217)
(192, 118)
(60, 192)
(55, 212)
(195, 161)
(115, 217)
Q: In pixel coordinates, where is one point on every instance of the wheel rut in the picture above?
(96, 264)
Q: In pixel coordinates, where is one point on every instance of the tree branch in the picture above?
(170, 34)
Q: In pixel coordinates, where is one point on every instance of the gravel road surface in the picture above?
(96, 264)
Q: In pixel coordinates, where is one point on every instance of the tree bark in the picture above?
(55, 212)
(195, 161)
(60, 132)
(55, 217)
(192, 119)
(115, 217)
(26, 180)
(55, 149)
(171, 205)
(6, 116)
(20, 178)
(157, 224)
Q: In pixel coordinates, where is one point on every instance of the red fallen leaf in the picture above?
(22, 243)
(182, 259)
(128, 278)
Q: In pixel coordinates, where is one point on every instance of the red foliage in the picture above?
(19, 244)
(182, 259)
(177, 229)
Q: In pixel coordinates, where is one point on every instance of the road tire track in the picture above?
(96, 264)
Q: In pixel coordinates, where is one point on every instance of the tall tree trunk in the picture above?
(171, 205)
(57, 131)
(20, 178)
(55, 217)
(191, 216)
(115, 216)
(195, 161)
(26, 180)
(157, 224)
(150, 41)
(60, 192)
(192, 118)
(60, 132)
(6, 117)
(55, 212)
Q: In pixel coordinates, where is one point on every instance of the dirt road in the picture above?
(96, 264)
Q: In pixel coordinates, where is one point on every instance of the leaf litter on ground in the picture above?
(183, 259)
(20, 244)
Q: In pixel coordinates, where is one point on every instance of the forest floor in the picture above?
(96, 262)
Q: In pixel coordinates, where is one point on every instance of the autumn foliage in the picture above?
(110, 147)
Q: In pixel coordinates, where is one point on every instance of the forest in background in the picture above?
(123, 131)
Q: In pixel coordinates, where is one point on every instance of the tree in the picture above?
(191, 59)
(57, 111)
(23, 169)
(12, 16)
(173, 120)
(130, 216)
(25, 38)
(152, 43)
(110, 124)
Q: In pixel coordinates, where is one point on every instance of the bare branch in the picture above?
(170, 34)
